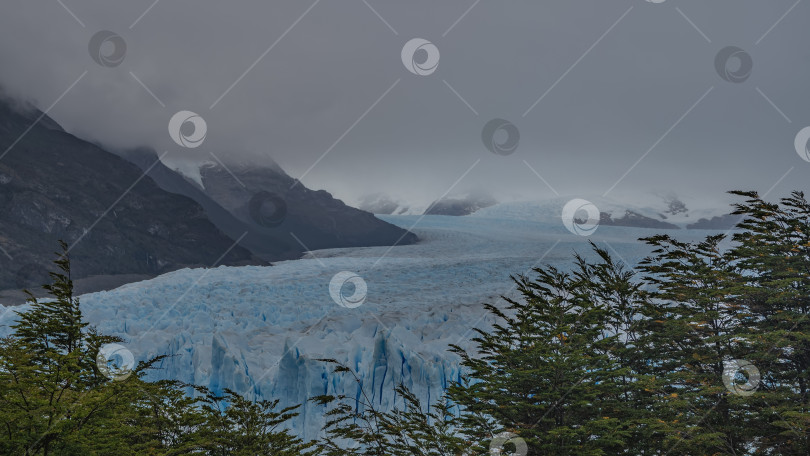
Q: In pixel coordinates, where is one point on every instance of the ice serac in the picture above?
(380, 365)
(228, 369)
(261, 330)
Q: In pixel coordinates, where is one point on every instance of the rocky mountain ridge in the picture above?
(55, 186)
(273, 215)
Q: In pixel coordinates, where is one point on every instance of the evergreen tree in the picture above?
(356, 427)
(54, 399)
(238, 427)
(772, 255)
(692, 334)
(713, 358)
(50, 386)
(549, 373)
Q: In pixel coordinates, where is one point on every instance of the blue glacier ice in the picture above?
(261, 330)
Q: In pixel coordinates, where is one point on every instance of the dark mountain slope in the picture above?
(460, 206)
(56, 186)
(261, 243)
(244, 206)
(313, 216)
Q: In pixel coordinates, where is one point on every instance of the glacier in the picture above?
(261, 331)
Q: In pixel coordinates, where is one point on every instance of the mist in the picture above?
(624, 99)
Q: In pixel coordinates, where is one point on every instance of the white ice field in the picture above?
(259, 330)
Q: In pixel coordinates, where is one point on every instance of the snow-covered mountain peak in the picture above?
(652, 212)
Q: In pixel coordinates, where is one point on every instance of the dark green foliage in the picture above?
(50, 387)
(356, 427)
(54, 400)
(690, 334)
(550, 373)
(237, 426)
(773, 257)
(603, 360)
(747, 302)
(598, 360)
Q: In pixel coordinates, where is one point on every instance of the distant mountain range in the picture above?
(635, 220)
(119, 222)
(718, 222)
(611, 213)
(671, 213)
(666, 212)
(454, 205)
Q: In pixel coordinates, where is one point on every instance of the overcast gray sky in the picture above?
(289, 80)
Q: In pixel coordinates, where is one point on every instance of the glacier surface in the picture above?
(261, 330)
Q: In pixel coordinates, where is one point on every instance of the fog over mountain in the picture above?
(622, 97)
